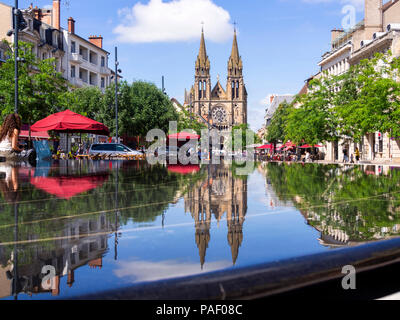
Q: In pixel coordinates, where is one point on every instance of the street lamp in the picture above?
(19, 24)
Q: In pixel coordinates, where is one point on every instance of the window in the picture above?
(44, 56)
(73, 47)
(73, 72)
(103, 61)
(104, 147)
(102, 82)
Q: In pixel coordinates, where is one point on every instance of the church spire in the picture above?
(235, 50)
(235, 65)
(202, 59)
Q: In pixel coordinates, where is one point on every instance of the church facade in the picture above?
(220, 107)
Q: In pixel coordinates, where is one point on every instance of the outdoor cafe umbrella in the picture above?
(70, 122)
(307, 146)
(266, 146)
(184, 136)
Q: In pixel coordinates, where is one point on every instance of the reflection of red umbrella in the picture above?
(68, 122)
(176, 168)
(266, 146)
(184, 136)
(66, 187)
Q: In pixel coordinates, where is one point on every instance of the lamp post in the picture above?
(15, 17)
(116, 93)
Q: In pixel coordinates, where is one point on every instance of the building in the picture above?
(83, 62)
(378, 32)
(275, 102)
(222, 108)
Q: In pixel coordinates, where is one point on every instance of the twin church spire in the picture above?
(235, 64)
(221, 107)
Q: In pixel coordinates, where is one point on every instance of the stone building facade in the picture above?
(378, 32)
(82, 62)
(220, 107)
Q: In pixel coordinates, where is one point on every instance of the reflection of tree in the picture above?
(144, 193)
(346, 204)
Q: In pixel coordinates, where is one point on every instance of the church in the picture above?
(219, 107)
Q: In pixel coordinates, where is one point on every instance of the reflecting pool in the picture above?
(69, 228)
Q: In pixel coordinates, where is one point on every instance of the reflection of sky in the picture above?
(148, 252)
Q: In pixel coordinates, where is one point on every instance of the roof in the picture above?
(276, 102)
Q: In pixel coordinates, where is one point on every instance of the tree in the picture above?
(314, 120)
(141, 107)
(369, 97)
(188, 120)
(86, 101)
(40, 85)
(276, 130)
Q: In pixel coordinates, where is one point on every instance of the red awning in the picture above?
(69, 122)
(306, 146)
(66, 187)
(34, 134)
(184, 136)
(182, 169)
(266, 146)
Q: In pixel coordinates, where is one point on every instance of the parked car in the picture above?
(112, 149)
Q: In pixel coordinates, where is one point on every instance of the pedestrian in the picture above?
(9, 134)
(357, 154)
(345, 156)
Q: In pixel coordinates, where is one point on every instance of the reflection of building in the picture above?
(220, 194)
(80, 242)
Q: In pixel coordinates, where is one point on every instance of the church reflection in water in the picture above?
(223, 196)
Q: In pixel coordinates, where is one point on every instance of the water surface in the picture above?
(102, 225)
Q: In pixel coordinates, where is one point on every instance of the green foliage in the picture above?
(141, 107)
(188, 120)
(314, 120)
(240, 131)
(39, 84)
(276, 130)
(363, 100)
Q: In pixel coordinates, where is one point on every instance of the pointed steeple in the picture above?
(202, 59)
(235, 49)
(235, 64)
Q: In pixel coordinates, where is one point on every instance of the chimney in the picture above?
(71, 25)
(97, 41)
(335, 33)
(56, 14)
(272, 98)
(373, 18)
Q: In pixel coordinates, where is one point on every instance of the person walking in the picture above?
(357, 154)
(9, 134)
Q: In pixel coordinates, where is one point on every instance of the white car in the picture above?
(112, 149)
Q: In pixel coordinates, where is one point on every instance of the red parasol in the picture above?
(266, 146)
(69, 122)
(66, 187)
(184, 136)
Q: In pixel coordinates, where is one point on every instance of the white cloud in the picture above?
(173, 21)
(141, 271)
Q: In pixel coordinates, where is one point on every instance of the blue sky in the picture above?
(280, 41)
